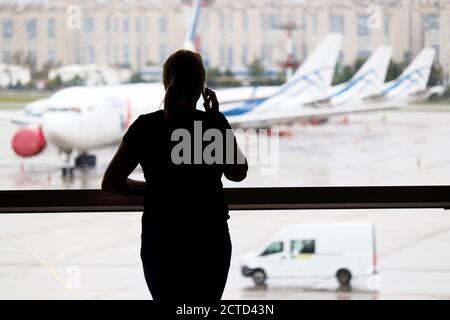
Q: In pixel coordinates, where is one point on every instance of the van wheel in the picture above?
(259, 277)
(344, 276)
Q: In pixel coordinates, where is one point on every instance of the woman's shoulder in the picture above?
(156, 115)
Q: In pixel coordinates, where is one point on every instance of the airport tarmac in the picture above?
(96, 256)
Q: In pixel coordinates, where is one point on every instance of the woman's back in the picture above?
(174, 165)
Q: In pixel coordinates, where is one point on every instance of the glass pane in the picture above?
(362, 108)
(390, 254)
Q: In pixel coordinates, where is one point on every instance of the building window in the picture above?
(337, 24)
(436, 47)
(108, 54)
(363, 54)
(107, 24)
(263, 22)
(7, 56)
(431, 23)
(51, 56)
(244, 21)
(31, 28)
(116, 25)
(387, 26)
(146, 24)
(126, 55)
(162, 53)
(363, 29)
(89, 24)
(273, 22)
(90, 54)
(231, 21)
(222, 55)
(314, 24)
(138, 24)
(230, 57)
(31, 59)
(51, 28)
(163, 24)
(126, 25)
(7, 29)
(244, 55)
(221, 21)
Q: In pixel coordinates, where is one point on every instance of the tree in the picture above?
(436, 76)
(256, 68)
(136, 78)
(345, 73)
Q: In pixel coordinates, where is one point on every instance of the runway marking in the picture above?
(44, 263)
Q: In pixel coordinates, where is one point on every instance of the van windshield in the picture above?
(275, 247)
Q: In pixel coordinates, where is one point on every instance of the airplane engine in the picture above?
(28, 142)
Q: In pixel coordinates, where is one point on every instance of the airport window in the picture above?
(363, 29)
(431, 23)
(337, 24)
(299, 247)
(275, 247)
(51, 28)
(31, 28)
(7, 29)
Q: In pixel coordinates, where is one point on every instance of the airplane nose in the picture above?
(62, 129)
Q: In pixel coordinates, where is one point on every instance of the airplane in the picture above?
(310, 81)
(355, 95)
(86, 118)
(368, 79)
(411, 85)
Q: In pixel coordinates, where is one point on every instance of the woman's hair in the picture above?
(184, 78)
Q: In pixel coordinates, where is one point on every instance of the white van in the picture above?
(341, 250)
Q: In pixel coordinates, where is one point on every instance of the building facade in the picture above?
(231, 33)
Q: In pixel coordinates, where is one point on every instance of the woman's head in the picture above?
(184, 78)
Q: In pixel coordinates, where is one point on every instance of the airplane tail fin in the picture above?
(189, 41)
(418, 72)
(374, 70)
(414, 79)
(318, 68)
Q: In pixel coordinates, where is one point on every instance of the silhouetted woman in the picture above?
(186, 247)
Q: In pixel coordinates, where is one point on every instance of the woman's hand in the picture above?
(210, 103)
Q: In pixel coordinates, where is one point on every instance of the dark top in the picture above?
(177, 191)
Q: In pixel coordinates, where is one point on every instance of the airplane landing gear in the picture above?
(85, 161)
(67, 169)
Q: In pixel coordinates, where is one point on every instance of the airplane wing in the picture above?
(20, 118)
(266, 120)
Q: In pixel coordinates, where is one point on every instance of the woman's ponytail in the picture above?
(174, 99)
